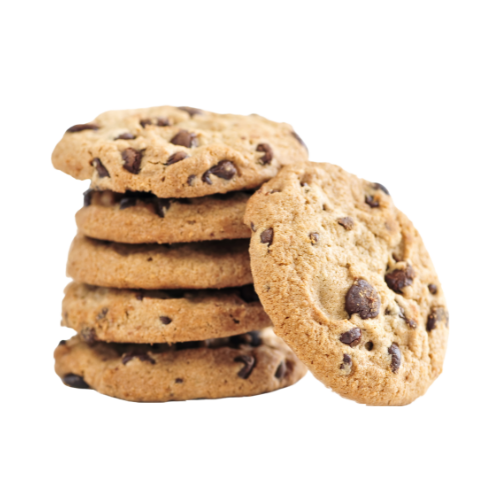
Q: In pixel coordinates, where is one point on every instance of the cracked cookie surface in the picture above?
(140, 316)
(145, 218)
(212, 264)
(177, 152)
(348, 283)
(245, 365)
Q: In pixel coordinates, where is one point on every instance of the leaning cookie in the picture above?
(213, 264)
(145, 218)
(141, 316)
(177, 152)
(348, 283)
(245, 365)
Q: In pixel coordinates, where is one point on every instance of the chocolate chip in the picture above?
(314, 237)
(376, 185)
(436, 314)
(185, 138)
(280, 371)
(62, 342)
(369, 345)
(225, 169)
(88, 335)
(249, 364)
(101, 169)
(191, 111)
(395, 357)
(84, 126)
(126, 136)
(162, 122)
(178, 156)
(145, 121)
(139, 295)
(136, 353)
(179, 380)
(410, 322)
(192, 178)
(132, 160)
(165, 320)
(267, 236)
(75, 381)
(252, 226)
(255, 338)
(102, 314)
(87, 197)
(363, 299)
(301, 142)
(346, 362)
(346, 222)
(351, 337)
(248, 294)
(161, 205)
(267, 157)
(433, 289)
(371, 201)
(399, 278)
(128, 201)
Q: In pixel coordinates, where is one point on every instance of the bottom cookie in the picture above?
(242, 365)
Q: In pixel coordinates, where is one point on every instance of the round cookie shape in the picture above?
(348, 283)
(212, 264)
(245, 365)
(141, 316)
(144, 218)
(176, 153)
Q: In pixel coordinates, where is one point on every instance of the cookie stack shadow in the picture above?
(162, 298)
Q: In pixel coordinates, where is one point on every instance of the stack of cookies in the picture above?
(162, 299)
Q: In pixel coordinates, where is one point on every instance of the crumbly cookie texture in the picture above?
(144, 218)
(244, 365)
(348, 283)
(213, 264)
(141, 316)
(177, 152)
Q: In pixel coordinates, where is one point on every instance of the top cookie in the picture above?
(348, 283)
(177, 152)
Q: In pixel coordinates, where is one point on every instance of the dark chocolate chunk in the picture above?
(314, 237)
(399, 278)
(102, 314)
(192, 178)
(433, 289)
(395, 357)
(351, 337)
(129, 200)
(87, 197)
(178, 156)
(369, 345)
(179, 380)
(376, 185)
(161, 205)
(126, 136)
(132, 160)
(88, 335)
(371, 201)
(346, 222)
(280, 371)
(409, 321)
(102, 171)
(145, 121)
(136, 353)
(346, 362)
(185, 138)
(267, 157)
(75, 381)
(248, 294)
(363, 299)
(162, 122)
(248, 365)
(165, 320)
(256, 339)
(84, 126)
(437, 314)
(266, 236)
(206, 177)
(225, 169)
(301, 142)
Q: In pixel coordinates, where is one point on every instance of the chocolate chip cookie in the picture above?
(348, 283)
(244, 365)
(142, 316)
(144, 218)
(177, 152)
(213, 264)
